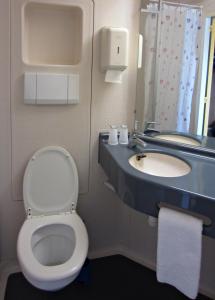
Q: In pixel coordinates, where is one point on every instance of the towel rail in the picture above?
(206, 220)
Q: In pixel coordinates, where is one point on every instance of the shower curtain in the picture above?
(176, 69)
(149, 25)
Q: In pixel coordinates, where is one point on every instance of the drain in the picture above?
(140, 156)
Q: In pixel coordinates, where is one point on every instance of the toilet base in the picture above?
(52, 285)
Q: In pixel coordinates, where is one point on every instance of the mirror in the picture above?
(175, 82)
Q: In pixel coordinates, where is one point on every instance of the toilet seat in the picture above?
(31, 266)
(50, 184)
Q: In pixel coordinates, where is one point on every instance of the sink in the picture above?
(179, 139)
(159, 164)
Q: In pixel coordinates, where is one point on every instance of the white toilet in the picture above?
(53, 242)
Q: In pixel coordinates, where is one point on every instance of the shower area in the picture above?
(169, 51)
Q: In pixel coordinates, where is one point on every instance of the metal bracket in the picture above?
(73, 207)
(28, 211)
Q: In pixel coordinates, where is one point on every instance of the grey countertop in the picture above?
(194, 191)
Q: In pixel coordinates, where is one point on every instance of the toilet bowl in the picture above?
(53, 242)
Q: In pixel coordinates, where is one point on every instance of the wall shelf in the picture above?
(51, 34)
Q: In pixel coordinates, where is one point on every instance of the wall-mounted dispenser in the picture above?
(45, 88)
(114, 53)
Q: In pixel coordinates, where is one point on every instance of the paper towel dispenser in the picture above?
(114, 53)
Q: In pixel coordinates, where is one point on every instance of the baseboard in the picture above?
(9, 267)
(120, 250)
(132, 255)
(151, 265)
(103, 253)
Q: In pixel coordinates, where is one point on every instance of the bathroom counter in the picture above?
(194, 192)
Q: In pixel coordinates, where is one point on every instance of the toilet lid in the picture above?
(50, 182)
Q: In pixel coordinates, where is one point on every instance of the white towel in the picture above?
(179, 251)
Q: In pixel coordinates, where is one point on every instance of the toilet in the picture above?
(53, 242)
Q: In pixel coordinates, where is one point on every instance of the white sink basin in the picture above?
(179, 139)
(159, 164)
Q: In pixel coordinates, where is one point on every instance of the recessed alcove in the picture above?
(51, 34)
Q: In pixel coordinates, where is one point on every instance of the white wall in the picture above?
(11, 213)
(209, 7)
(110, 104)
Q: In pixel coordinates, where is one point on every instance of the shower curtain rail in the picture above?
(181, 4)
(170, 3)
(149, 11)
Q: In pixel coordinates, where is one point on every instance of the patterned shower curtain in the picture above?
(149, 25)
(177, 65)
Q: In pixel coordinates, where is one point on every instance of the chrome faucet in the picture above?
(135, 139)
(147, 126)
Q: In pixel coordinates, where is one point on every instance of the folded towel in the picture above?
(179, 251)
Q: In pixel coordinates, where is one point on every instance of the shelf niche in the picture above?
(51, 34)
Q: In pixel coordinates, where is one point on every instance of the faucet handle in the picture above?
(148, 124)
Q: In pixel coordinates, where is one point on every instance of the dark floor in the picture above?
(114, 277)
